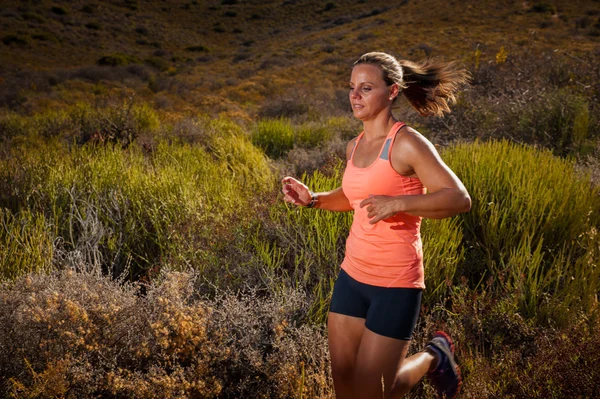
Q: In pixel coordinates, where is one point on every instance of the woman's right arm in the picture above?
(297, 193)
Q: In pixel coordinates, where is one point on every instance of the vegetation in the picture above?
(145, 250)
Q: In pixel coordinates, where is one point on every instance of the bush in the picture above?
(304, 247)
(115, 207)
(58, 10)
(26, 240)
(274, 136)
(83, 335)
(197, 48)
(532, 226)
(312, 135)
(93, 26)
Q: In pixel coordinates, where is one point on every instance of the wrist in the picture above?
(314, 198)
(400, 204)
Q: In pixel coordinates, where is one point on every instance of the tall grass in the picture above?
(26, 244)
(274, 136)
(303, 248)
(532, 227)
(115, 122)
(133, 207)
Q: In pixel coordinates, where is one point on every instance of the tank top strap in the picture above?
(355, 144)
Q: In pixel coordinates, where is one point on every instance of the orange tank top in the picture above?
(388, 253)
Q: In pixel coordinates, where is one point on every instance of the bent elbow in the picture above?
(466, 203)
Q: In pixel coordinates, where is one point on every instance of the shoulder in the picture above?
(409, 139)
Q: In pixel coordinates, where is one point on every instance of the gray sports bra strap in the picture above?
(385, 153)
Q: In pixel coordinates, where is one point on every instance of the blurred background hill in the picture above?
(235, 56)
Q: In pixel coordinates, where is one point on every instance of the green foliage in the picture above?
(532, 227)
(120, 122)
(116, 207)
(443, 253)
(18, 40)
(312, 134)
(543, 7)
(559, 120)
(303, 248)
(59, 10)
(26, 242)
(197, 48)
(93, 26)
(274, 136)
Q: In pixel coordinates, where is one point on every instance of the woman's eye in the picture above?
(366, 89)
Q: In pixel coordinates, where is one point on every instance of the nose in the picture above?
(354, 93)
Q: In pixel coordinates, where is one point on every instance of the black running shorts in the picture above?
(391, 312)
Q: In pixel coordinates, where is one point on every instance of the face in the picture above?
(369, 94)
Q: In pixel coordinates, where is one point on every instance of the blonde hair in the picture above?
(429, 86)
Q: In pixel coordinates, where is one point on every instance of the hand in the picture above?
(295, 192)
(380, 207)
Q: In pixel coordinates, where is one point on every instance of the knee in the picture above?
(343, 371)
(400, 386)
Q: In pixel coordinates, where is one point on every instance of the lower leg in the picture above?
(411, 371)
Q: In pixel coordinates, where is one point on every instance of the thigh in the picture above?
(344, 334)
(378, 357)
(344, 337)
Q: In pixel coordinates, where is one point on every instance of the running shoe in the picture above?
(446, 377)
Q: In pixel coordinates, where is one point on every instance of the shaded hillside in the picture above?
(231, 56)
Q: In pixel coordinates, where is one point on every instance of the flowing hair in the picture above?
(430, 86)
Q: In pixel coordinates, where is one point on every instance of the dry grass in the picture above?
(74, 335)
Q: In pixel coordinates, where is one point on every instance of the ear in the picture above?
(394, 91)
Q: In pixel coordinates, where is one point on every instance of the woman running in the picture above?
(393, 178)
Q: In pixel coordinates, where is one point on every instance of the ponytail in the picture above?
(431, 86)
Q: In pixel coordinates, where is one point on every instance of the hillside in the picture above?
(232, 56)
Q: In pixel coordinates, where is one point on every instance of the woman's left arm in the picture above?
(414, 155)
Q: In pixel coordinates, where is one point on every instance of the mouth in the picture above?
(357, 106)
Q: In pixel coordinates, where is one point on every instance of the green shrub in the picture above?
(33, 16)
(89, 8)
(443, 254)
(559, 120)
(274, 136)
(532, 226)
(14, 39)
(45, 37)
(26, 243)
(312, 135)
(119, 122)
(93, 26)
(300, 247)
(58, 10)
(543, 7)
(197, 48)
(116, 207)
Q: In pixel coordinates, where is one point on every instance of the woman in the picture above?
(377, 296)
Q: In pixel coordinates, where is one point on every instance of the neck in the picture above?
(378, 127)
